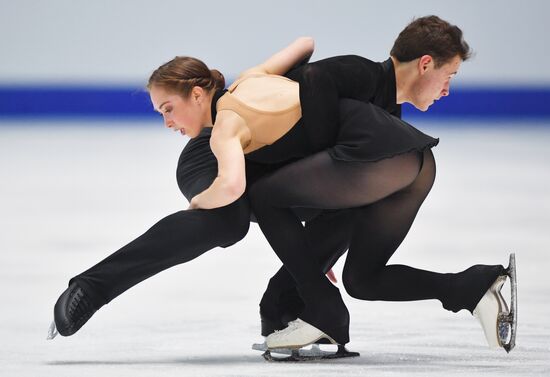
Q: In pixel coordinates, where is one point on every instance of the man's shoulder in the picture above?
(357, 59)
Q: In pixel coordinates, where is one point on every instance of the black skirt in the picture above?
(368, 133)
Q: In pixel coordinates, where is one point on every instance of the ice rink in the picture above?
(72, 193)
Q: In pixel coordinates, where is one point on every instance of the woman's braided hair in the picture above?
(183, 73)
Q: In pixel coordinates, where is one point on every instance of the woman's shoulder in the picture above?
(229, 124)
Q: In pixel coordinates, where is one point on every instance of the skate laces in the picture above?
(292, 325)
(80, 308)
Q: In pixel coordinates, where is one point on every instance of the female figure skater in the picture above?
(188, 104)
(179, 237)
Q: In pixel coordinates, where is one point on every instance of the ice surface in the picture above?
(70, 194)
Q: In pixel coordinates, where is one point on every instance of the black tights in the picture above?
(373, 233)
(319, 181)
(379, 230)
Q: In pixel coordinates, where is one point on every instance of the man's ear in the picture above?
(424, 63)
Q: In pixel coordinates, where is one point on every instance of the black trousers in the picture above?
(175, 239)
(184, 235)
(371, 234)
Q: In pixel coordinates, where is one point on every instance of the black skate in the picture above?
(303, 354)
(72, 310)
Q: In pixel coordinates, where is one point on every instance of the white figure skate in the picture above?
(499, 322)
(292, 341)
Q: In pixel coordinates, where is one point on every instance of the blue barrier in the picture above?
(21, 102)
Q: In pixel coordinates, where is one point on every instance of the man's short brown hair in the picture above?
(432, 36)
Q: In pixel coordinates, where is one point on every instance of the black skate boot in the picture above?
(72, 310)
(468, 287)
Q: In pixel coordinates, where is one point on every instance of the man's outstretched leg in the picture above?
(176, 239)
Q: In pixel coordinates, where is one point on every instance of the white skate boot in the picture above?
(292, 340)
(497, 320)
(296, 335)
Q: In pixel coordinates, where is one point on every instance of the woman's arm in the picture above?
(284, 60)
(226, 142)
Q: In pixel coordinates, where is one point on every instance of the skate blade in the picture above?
(315, 353)
(262, 347)
(322, 339)
(507, 322)
(52, 331)
(314, 350)
(295, 347)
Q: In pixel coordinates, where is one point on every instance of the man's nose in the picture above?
(446, 90)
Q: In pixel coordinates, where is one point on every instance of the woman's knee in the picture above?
(359, 287)
(352, 283)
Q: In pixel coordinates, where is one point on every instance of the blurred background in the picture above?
(86, 166)
(71, 57)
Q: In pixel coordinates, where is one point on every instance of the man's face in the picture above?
(433, 83)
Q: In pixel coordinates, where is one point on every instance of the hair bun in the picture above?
(219, 80)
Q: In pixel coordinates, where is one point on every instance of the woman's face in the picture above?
(180, 114)
(434, 83)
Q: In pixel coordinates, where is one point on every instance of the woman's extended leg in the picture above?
(319, 181)
(379, 230)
